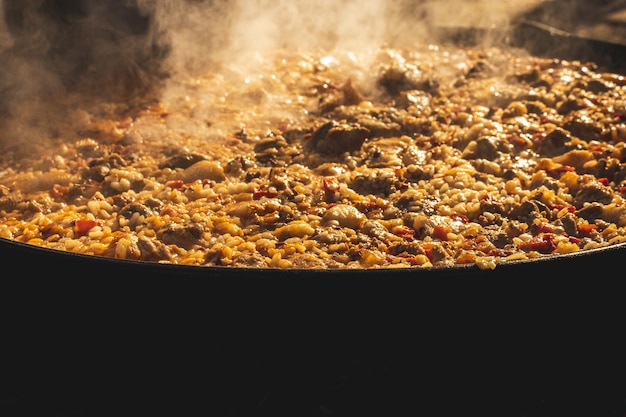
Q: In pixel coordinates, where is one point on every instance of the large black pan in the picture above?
(544, 40)
(536, 37)
(97, 336)
(64, 278)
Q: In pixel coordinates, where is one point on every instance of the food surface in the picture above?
(434, 156)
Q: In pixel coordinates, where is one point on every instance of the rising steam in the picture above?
(222, 31)
(63, 42)
(122, 48)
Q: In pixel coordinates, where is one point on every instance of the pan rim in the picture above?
(510, 265)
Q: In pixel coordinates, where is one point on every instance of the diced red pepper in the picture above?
(459, 217)
(407, 257)
(586, 229)
(330, 188)
(498, 252)
(516, 140)
(542, 243)
(603, 181)
(545, 228)
(557, 172)
(559, 207)
(404, 232)
(59, 191)
(263, 192)
(441, 232)
(175, 184)
(83, 226)
(428, 251)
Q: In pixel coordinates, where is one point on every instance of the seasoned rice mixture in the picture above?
(429, 157)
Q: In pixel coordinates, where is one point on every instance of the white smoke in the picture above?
(41, 58)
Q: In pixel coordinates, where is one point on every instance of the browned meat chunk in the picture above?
(396, 80)
(184, 236)
(334, 138)
(593, 192)
(182, 160)
(132, 208)
(555, 143)
(151, 250)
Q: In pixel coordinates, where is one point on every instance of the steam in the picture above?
(269, 24)
(234, 31)
(207, 32)
(126, 48)
(78, 39)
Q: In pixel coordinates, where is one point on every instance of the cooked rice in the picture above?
(399, 158)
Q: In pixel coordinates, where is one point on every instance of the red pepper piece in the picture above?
(557, 172)
(175, 184)
(404, 232)
(542, 243)
(59, 191)
(407, 257)
(459, 217)
(428, 251)
(560, 207)
(586, 229)
(498, 252)
(330, 188)
(441, 232)
(545, 228)
(263, 192)
(83, 226)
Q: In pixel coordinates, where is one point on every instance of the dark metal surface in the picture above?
(543, 40)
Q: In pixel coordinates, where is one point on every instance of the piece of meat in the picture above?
(334, 138)
(555, 143)
(183, 235)
(592, 192)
